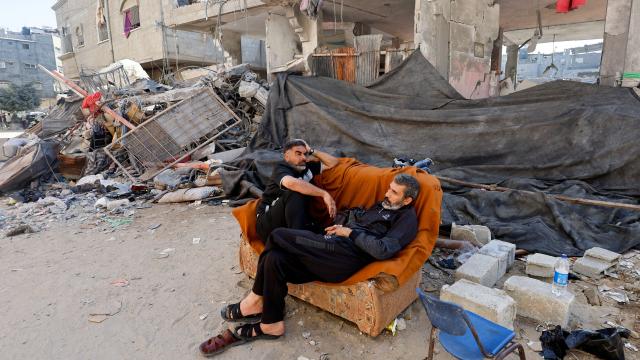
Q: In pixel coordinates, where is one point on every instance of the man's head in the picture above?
(295, 153)
(403, 190)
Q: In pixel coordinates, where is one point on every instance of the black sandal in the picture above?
(245, 333)
(232, 313)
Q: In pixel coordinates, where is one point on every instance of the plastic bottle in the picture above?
(561, 276)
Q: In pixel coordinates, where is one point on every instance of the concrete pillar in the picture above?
(281, 41)
(457, 37)
(232, 45)
(621, 51)
(309, 30)
(511, 67)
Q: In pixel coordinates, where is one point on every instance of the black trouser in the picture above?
(288, 211)
(297, 257)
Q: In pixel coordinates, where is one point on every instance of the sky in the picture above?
(27, 13)
(547, 48)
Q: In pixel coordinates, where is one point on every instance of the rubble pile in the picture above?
(78, 160)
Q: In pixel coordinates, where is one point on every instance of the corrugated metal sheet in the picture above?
(368, 63)
(177, 132)
(61, 118)
(338, 63)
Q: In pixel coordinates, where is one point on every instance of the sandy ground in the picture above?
(55, 279)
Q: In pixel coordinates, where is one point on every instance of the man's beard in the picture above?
(300, 168)
(390, 206)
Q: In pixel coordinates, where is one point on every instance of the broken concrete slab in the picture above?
(492, 304)
(503, 251)
(591, 267)
(535, 300)
(541, 265)
(481, 269)
(476, 234)
(602, 254)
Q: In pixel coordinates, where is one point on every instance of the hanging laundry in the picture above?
(128, 26)
(564, 6)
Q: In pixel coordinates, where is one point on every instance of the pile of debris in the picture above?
(491, 278)
(125, 139)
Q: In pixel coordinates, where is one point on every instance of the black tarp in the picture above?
(562, 137)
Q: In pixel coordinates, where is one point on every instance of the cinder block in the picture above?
(541, 265)
(481, 269)
(591, 266)
(492, 304)
(535, 300)
(602, 254)
(503, 251)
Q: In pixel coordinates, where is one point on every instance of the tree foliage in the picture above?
(19, 98)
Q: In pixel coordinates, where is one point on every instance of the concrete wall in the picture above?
(281, 41)
(148, 44)
(457, 37)
(192, 46)
(15, 58)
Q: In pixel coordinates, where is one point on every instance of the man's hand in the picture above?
(330, 204)
(338, 230)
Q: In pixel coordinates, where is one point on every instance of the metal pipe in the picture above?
(81, 92)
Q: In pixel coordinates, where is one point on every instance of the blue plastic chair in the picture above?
(465, 335)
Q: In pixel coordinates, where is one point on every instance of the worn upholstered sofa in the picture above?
(376, 294)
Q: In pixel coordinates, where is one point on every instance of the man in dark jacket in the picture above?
(301, 256)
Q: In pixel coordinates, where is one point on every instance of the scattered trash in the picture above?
(120, 282)
(393, 327)
(154, 226)
(619, 296)
(22, 229)
(196, 241)
(306, 334)
(535, 346)
(204, 316)
(630, 346)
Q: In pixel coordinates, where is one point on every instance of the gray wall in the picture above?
(15, 57)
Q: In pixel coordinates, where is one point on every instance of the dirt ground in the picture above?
(78, 289)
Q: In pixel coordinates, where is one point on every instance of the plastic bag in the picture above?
(605, 343)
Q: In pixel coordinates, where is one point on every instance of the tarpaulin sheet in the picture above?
(562, 137)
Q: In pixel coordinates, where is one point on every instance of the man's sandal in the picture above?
(240, 335)
(232, 313)
(245, 333)
(220, 343)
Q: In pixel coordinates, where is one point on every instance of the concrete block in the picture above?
(541, 265)
(535, 300)
(602, 254)
(492, 304)
(505, 252)
(591, 266)
(481, 269)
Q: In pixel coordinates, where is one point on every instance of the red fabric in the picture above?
(577, 3)
(562, 6)
(90, 102)
(353, 184)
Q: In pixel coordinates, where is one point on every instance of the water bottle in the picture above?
(561, 276)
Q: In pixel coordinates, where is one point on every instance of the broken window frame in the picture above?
(3, 64)
(79, 31)
(133, 12)
(28, 66)
(102, 30)
(25, 46)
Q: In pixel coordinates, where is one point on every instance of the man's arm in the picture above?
(305, 188)
(328, 161)
(384, 247)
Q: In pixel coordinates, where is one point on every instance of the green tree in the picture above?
(19, 98)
